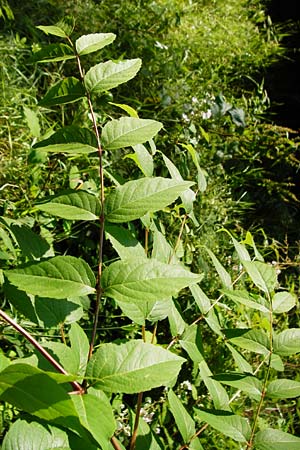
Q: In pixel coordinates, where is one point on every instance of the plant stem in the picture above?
(77, 388)
(115, 443)
(136, 421)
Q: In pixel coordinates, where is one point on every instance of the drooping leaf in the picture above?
(202, 183)
(230, 424)
(270, 439)
(130, 111)
(183, 420)
(283, 302)
(69, 140)
(128, 131)
(191, 342)
(251, 339)
(58, 277)
(287, 342)
(134, 199)
(79, 346)
(140, 280)
(125, 244)
(222, 272)
(132, 367)
(72, 205)
(68, 90)
(241, 250)
(90, 43)
(246, 383)
(53, 53)
(177, 324)
(240, 361)
(162, 250)
(108, 75)
(216, 390)
(96, 415)
(283, 388)
(200, 298)
(144, 159)
(243, 297)
(262, 274)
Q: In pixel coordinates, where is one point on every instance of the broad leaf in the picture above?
(162, 250)
(262, 274)
(128, 131)
(96, 415)
(241, 250)
(72, 205)
(53, 53)
(270, 439)
(231, 425)
(283, 302)
(141, 280)
(283, 388)
(68, 90)
(240, 361)
(134, 199)
(246, 299)
(191, 342)
(31, 244)
(58, 277)
(287, 342)
(79, 346)
(246, 383)
(137, 312)
(108, 75)
(253, 340)
(69, 140)
(63, 28)
(123, 241)
(183, 420)
(177, 324)
(90, 43)
(52, 312)
(132, 367)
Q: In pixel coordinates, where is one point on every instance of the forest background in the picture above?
(209, 75)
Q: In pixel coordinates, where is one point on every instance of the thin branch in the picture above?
(136, 421)
(40, 349)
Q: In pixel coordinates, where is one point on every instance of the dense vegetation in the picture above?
(152, 269)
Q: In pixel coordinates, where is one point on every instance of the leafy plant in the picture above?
(69, 392)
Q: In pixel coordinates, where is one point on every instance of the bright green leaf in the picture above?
(283, 388)
(68, 90)
(246, 383)
(222, 272)
(79, 346)
(123, 241)
(128, 131)
(63, 28)
(283, 302)
(183, 420)
(32, 121)
(216, 390)
(287, 342)
(270, 439)
(132, 367)
(240, 361)
(144, 159)
(90, 43)
(253, 340)
(246, 299)
(262, 274)
(130, 111)
(200, 298)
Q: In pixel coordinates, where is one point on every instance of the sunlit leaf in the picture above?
(90, 43)
(287, 342)
(270, 439)
(262, 274)
(183, 420)
(283, 388)
(246, 383)
(283, 302)
(254, 340)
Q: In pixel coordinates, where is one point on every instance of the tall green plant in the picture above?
(69, 390)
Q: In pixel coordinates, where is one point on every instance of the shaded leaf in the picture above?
(240, 361)
(90, 43)
(222, 272)
(216, 390)
(270, 439)
(123, 241)
(52, 312)
(53, 53)
(69, 140)
(183, 420)
(246, 299)
(144, 159)
(68, 90)
(246, 383)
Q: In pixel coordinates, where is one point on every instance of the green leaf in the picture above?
(283, 388)
(283, 302)
(230, 424)
(286, 343)
(67, 358)
(162, 250)
(72, 205)
(277, 363)
(134, 199)
(246, 383)
(202, 183)
(53, 53)
(36, 393)
(130, 111)
(132, 367)
(128, 131)
(52, 312)
(58, 277)
(96, 415)
(32, 121)
(144, 160)
(241, 250)
(223, 274)
(262, 274)
(183, 420)
(177, 324)
(191, 342)
(69, 140)
(253, 340)
(68, 90)
(146, 438)
(90, 43)
(246, 299)
(63, 28)
(123, 241)
(216, 390)
(240, 361)
(80, 346)
(140, 280)
(270, 439)
(200, 298)
(108, 75)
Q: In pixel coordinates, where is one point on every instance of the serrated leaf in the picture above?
(136, 198)
(96, 415)
(108, 75)
(58, 277)
(67, 358)
(132, 367)
(230, 424)
(123, 241)
(253, 340)
(72, 205)
(283, 388)
(262, 274)
(90, 43)
(270, 439)
(68, 90)
(246, 299)
(53, 53)
(69, 140)
(246, 383)
(140, 280)
(183, 420)
(287, 342)
(31, 244)
(128, 131)
(283, 302)
(222, 272)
